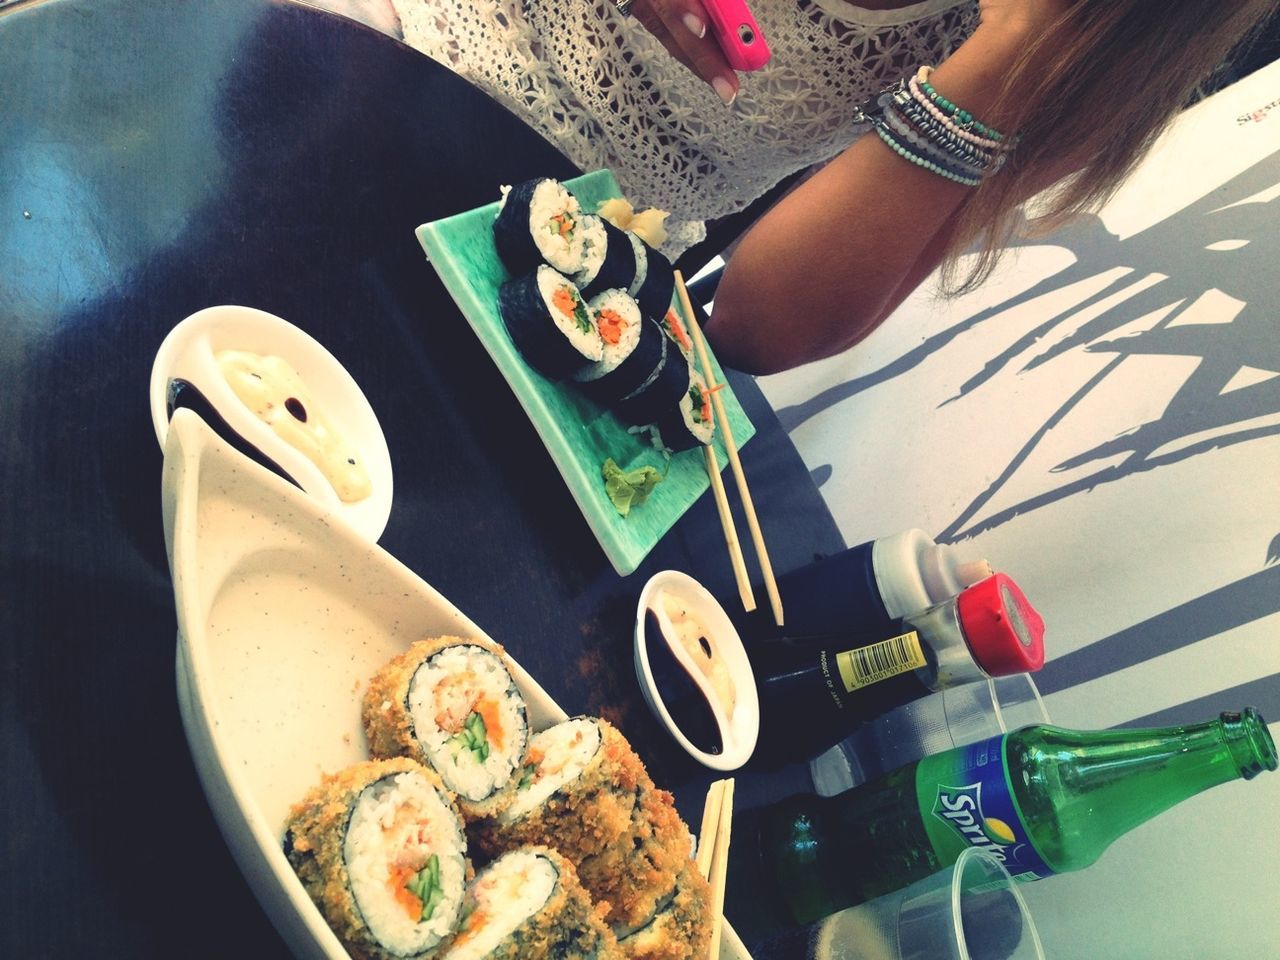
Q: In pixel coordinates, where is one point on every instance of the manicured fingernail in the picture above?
(696, 26)
(724, 89)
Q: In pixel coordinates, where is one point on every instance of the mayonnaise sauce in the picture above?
(277, 395)
(702, 649)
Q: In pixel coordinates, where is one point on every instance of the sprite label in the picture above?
(965, 801)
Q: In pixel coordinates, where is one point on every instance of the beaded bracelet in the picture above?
(887, 136)
(910, 114)
(964, 116)
(947, 120)
(920, 144)
(967, 122)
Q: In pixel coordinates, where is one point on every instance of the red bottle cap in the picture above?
(1004, 632)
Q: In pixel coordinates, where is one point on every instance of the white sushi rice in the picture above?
(505, 894)
(595, 244)
(642, 263)
(446, 687)
(400, 821)
(564, 251)
(586, 342)
(620, 302)
(565, 751)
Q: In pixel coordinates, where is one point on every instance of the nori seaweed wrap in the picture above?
(660, 393)
(608, 259)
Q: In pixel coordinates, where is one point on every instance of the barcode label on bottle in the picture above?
(880, 661)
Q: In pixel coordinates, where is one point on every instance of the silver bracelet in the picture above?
(623, 7)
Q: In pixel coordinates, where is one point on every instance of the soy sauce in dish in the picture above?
(686, 703)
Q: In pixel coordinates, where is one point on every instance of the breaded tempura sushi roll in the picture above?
(638, 873)
(529, 903)
(681, 928)
(575, 794)
(451, 703)
(379, 847)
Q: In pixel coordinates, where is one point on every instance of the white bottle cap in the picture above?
(913, 572)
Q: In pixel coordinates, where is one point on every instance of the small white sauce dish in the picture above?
(188, 355)
(659, 651)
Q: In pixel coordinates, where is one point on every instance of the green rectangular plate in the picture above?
(579, 434)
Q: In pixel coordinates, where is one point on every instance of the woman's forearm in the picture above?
(822, 268)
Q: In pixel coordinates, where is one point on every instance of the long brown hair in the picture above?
(1093, 92)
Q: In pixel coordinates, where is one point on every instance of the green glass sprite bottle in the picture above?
(1043, 800)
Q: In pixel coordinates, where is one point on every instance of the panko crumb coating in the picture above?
(313, 843)
(681, 929)
(638, 873)
(586, 815)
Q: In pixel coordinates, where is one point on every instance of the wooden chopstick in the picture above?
(736, 558)
(726, 432)
(710, 823)
(713, 852)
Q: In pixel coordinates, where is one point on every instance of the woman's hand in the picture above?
(681, 27)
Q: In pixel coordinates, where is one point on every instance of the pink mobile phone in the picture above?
(737, 33)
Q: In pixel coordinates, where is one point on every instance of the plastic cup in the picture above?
(951, 718)
(970, 911)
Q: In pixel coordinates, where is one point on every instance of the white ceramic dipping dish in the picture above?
(187, 353)
(739, 730)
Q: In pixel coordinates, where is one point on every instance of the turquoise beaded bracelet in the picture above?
(880, 128)
(966, 119)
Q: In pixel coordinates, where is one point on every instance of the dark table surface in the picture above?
(157, 158)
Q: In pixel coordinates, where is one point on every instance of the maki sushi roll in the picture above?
(576, 792)
(632, 348)
(451, 704)
(539, 222)
(549, 323)
(637, 875)
(660, 393)
(680, 928)
(608, 259)
(691, 423)
(528, 903)
(380, 849)
(654, 280)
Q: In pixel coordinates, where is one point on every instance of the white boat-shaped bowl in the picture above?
(284, 613)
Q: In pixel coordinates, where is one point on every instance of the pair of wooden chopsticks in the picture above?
(713, 852)
(717, 484)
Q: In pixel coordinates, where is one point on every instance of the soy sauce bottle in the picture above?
(814, 692)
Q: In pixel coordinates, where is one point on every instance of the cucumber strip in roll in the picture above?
(549, 323)
(450, 703)
(660, 393)
(608, 259)
(539, 222)
(691, 423)
(379, 846)
(632, 349)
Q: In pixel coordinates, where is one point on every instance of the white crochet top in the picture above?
(603, 90)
